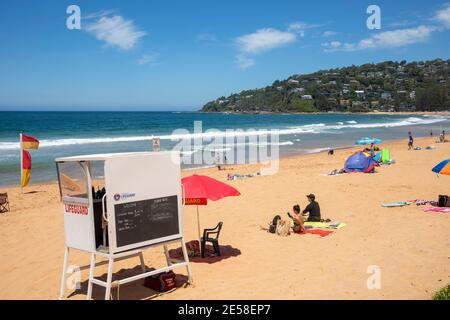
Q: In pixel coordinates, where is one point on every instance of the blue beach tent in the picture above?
(359, 162)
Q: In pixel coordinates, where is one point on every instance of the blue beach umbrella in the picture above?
(368, 140)
(442, 167)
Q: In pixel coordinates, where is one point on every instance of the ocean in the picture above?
(78, 133)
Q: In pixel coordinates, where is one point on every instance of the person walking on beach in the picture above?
(410, 141)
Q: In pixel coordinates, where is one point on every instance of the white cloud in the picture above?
(298, 27)
(332, 44)
(329, 33)
(148, 59)
(244, 62)
(115, 31)
(260, 41)
(263, 40)
(443, 16)
(98, 14)
(388, 39)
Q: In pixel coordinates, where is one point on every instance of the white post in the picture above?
(63, 276)
(109, 278)
(166, 253)
(141, 259)
(21, 162)
(198, 227)
(186, 259)
(91, 276)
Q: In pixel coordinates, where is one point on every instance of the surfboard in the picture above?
(396, 204)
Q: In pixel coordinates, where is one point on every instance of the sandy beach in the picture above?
(411, 247)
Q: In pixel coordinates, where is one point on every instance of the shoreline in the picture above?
(208, 167)
(354, 148)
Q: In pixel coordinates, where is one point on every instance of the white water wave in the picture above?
(303, 129)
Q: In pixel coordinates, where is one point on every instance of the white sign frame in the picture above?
(130, 178)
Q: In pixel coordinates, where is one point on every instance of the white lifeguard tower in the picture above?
(116, 206)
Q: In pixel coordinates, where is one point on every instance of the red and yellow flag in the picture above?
(26, 167)
(29, 142)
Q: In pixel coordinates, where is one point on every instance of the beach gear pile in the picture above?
(426, 148)
(242, 176)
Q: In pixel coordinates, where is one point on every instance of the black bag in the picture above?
(273, 226)
(444, 201)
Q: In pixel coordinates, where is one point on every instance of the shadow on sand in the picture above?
(131, 291)
(226, 252)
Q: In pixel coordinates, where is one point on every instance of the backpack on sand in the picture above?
(273, 225)
(283, 228)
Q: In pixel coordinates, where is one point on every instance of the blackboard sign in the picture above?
(145, 220)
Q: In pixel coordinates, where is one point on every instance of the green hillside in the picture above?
(385, 86)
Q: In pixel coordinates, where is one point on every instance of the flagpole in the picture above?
(21, 163)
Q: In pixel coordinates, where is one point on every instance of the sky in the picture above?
(178, 55)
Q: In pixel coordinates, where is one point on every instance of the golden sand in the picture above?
(411, 247)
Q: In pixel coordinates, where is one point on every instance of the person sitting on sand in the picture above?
(313, 209)
(298, 219)
(370, 150)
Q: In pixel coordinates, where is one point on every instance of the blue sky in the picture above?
(177, 55)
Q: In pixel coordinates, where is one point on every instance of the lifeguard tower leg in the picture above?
(141, 258)
(63, 276)
(91, 276)
(166, 252)
(186, 258)
(109, 278)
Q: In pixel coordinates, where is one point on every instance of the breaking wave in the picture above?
(314, 128)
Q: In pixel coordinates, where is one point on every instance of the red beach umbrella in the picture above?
(197, 189)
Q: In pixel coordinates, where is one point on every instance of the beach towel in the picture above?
(436, 209)
(397, 204)
(385, 156)
(325, 225)
(322, 233)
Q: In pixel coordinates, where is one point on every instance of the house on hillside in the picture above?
(386, 95)
(360, 93)
(297, 90)
(344, 102)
